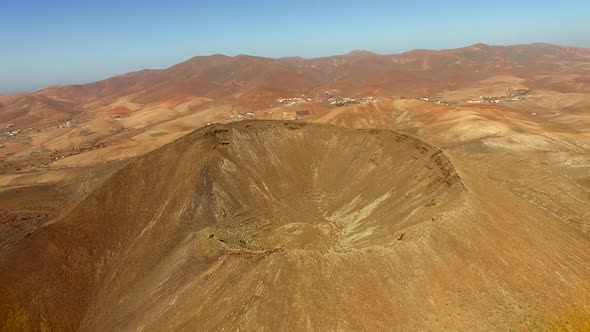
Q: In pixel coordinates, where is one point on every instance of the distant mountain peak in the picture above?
(360, 53)
(478, 46)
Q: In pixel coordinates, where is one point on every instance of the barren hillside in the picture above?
(276, 226)
(430, 190)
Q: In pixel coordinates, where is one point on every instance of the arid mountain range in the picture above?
(429, 190)
(250, 83)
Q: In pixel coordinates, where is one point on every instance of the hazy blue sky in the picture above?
(73, 41)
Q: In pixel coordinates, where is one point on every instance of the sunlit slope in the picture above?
(280, 226)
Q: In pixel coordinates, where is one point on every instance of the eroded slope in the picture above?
(281, 226)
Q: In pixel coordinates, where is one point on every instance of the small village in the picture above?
(329, 97)
(67, 124)
(336, 101)
(290, 101)
(512, 95)
(12, 133)
(436, 100)
(240, 116)
(8, 131)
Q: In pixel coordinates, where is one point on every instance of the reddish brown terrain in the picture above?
(430, 190)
